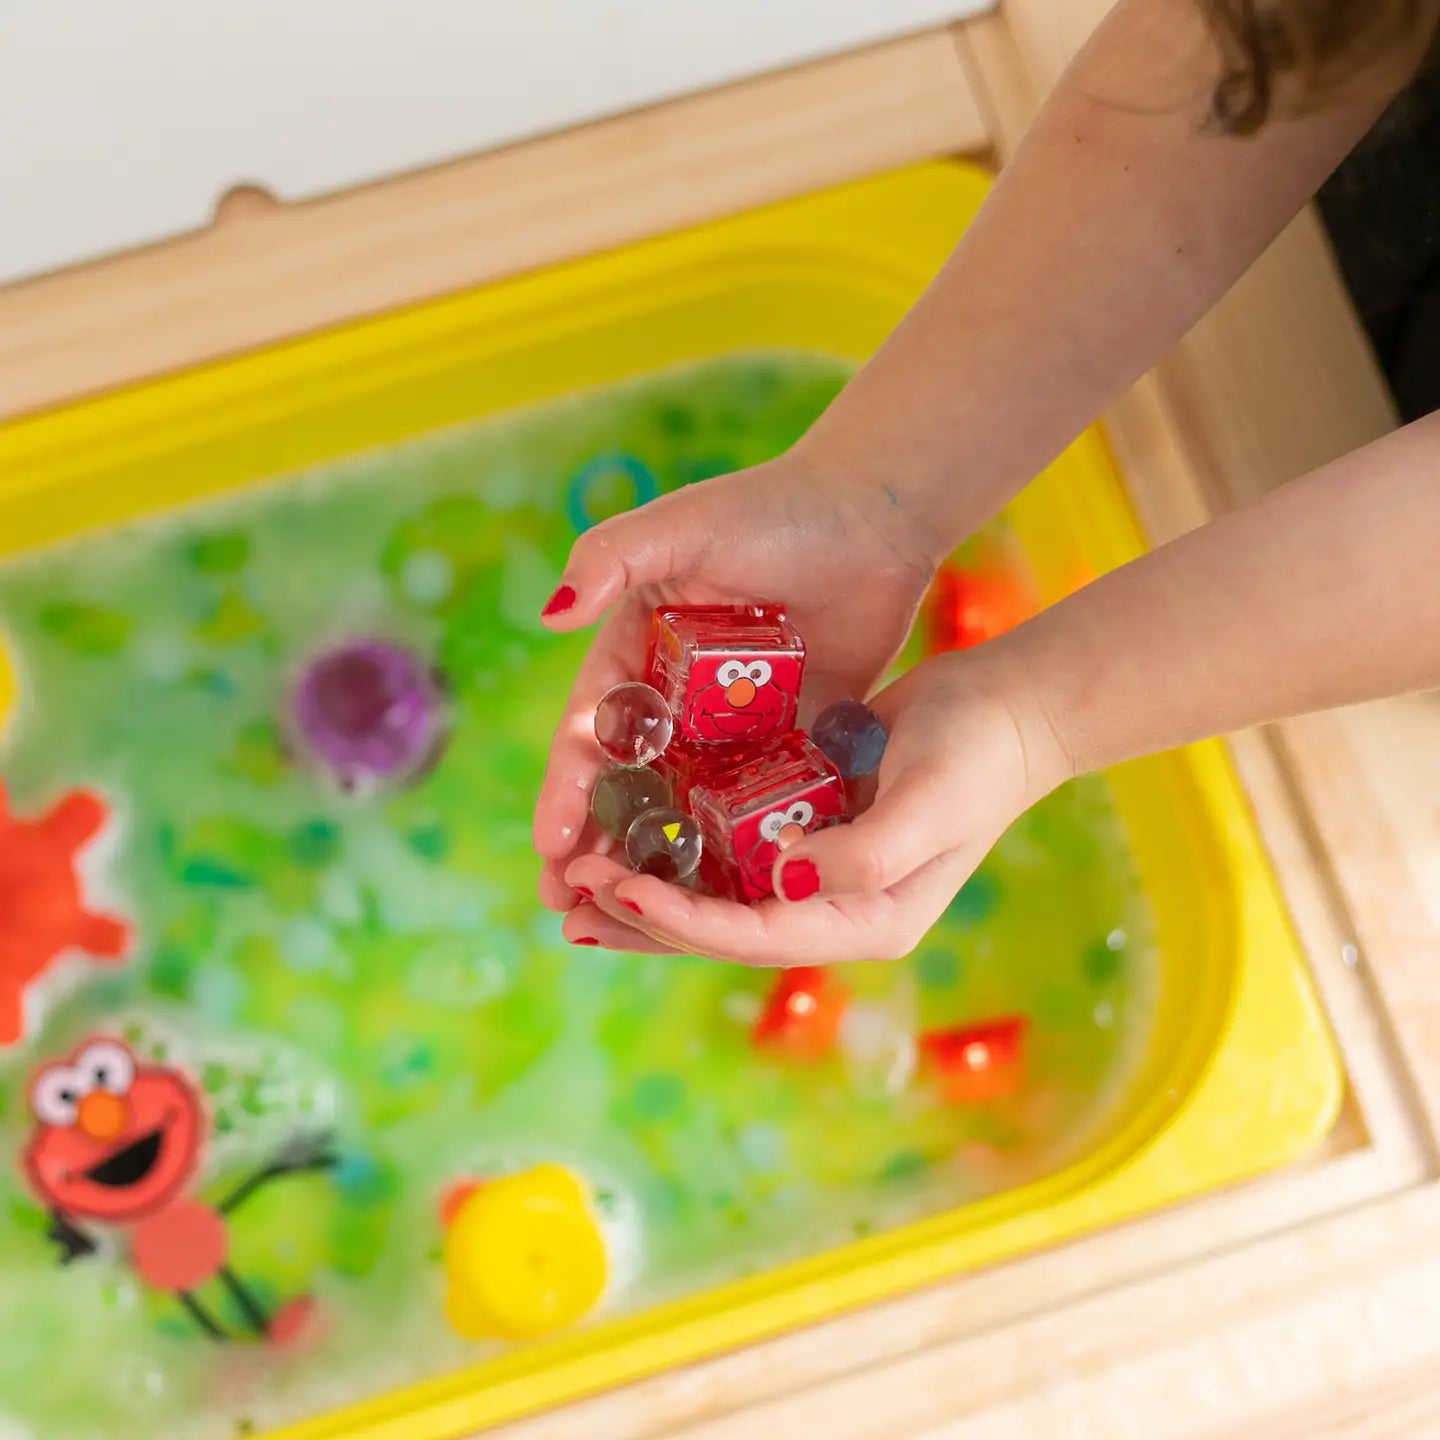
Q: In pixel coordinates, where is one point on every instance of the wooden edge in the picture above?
(280, 271)
(1370, 776)
(1053, 1290)
(1211, 1349)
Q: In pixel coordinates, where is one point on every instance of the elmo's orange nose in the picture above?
(102, 1116)
(789, 835)
(740, 693)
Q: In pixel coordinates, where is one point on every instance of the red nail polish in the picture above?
(560, 601)
(583, 893)
(631, 905)
(799, 879)
(585, 940)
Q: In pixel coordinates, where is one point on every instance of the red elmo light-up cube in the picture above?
(753, 809)
(729, 673)
(976, 1064)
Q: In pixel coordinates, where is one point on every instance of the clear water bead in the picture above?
(633, 724)
(664, 843)
(623, 794)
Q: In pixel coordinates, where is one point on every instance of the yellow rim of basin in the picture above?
(1239, 1074)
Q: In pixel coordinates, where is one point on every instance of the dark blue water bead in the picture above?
(851, 737)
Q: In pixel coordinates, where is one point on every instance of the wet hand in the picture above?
(841, 560)
(970, 750)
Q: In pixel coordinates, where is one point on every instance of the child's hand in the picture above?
(969, 751)
(841, 561)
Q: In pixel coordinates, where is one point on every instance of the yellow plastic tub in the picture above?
(1240, 1074)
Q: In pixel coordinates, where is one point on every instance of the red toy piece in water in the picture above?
(118, 1143)
(969, 607)
(454, 1196)
(751, 811)
(802, 1016)
(975, 1064)
(42, 914)
(729, 673)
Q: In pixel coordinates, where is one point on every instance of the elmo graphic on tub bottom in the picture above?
(118, 1143)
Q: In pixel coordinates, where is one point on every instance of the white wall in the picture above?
(123, 121)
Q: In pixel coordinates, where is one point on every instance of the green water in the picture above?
(382, 967)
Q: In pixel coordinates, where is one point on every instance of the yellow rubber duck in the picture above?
(523, 1255)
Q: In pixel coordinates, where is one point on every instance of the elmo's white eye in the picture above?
(801, 813)
(730, 672)
(759, 672)
(55, 1096)
(105, 1066)
(772, 825)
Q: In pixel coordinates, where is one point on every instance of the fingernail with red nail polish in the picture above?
(584, 940)
(560, 601)
(799, 879)
(583, 893)
(631, 905)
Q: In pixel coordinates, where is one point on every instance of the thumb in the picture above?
(907, 827)
(640, 547)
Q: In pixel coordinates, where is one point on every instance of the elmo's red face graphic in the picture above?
(114, 1140)
(760, 839)
(741, 697)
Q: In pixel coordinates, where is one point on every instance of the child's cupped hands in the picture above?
(968, 753)
(969, 750)
(843, 562)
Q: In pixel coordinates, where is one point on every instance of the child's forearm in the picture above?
(1117, 224)
(1322, 593)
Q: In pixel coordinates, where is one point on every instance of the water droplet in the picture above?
(1349, 955)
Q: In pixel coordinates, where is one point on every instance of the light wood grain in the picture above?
(287, 270)
(1215, 1348)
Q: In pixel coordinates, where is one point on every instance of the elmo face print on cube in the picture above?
(729, 673)
(752, 811)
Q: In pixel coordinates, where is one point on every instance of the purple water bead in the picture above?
(633, 724)
(851, 737)
(369, 711)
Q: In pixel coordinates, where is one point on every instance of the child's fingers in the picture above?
(768, 934)
(563, 805)
(773, 934)
(588, 925)
(907, 827)
(641, 547)
(555, 892)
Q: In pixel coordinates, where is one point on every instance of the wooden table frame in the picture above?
(1305, 1304)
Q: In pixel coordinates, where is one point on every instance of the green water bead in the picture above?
(938, 969)
(1104, 960)
(976, 902)
(623, 794)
